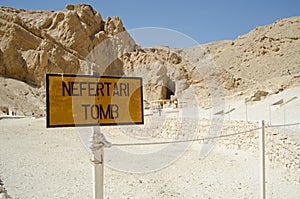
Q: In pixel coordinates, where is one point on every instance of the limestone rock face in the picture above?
(264, 59)
(159, 68)
(78, 40)
(113, 25)
(37, 42)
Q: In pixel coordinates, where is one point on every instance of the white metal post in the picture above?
(229, 112)
(284, 117)
(262, 160)
(98, 142)
(270, 116)
(98, 176)
(246, 112)
(246, 107)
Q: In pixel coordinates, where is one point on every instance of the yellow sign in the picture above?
(83, 100)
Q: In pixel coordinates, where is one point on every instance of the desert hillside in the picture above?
(78, 40)
(267, 58)
(207, 145)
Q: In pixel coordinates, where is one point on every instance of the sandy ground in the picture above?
(40, 163)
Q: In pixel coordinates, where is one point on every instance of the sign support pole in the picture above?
(127, 109)
(98, 142)
(262, 161)
(98, 176)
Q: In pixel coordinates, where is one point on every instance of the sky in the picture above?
(180, 23)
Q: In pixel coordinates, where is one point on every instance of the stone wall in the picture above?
(282, 145)
(283, 150)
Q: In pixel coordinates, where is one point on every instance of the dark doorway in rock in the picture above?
(169, 90)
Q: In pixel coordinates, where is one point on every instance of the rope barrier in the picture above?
(198, 139)
(182, 141)
(282, 125)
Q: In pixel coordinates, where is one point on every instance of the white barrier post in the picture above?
(229, 112)
(284, 118)
(262, 160)
(246, 107)
(98, 177)
(98, 142)
(270, 116)
(246, 111)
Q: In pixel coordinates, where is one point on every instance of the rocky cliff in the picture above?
(37, 42)
(78, 40)
(266, 59)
